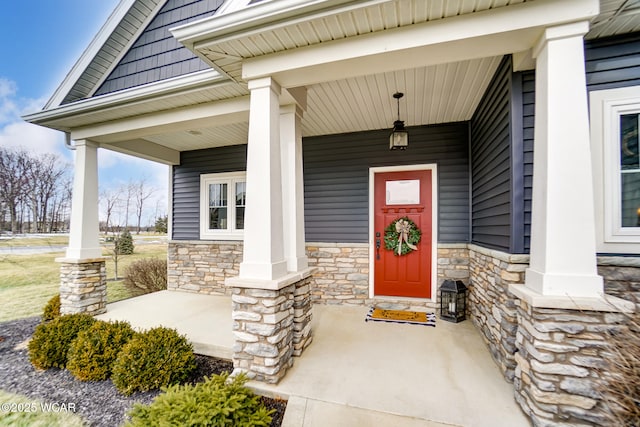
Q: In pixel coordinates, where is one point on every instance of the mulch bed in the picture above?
(98, 402)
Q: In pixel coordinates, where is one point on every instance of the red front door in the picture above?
(397, 195)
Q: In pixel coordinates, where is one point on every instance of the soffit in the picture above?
(616, 17)
(196, 139)
(436, 94)
(227, 53)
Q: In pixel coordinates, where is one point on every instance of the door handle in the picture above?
(378, 245)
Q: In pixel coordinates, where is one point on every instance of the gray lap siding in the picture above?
(336, 180)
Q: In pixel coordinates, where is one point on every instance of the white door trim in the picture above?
(434, 222)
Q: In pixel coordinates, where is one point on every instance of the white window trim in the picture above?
(230, 179)
(606, 107)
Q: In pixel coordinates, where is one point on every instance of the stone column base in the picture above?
(83, 286)
(271, 322)
(302, 316)
(263, 330)
(561, 353)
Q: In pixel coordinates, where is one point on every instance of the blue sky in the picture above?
(40, 40)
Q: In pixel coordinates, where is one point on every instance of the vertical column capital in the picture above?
(85, 143)
(574, 29)
(264, 82)
(292, 109)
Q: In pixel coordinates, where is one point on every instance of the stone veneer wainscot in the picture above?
(492, 306)
(202, 266)
(341, 271)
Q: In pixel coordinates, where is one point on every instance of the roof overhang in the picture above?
(356, 37)
(135, 101)
(348, 56)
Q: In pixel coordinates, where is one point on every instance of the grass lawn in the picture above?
(26, 241)
(20, 411)
(27, 282)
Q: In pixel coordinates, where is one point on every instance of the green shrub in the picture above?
(157, 358)
(93, 353)
(145, 276)
(52, 309)
(214, 402)
(125, 243)
(50, 343)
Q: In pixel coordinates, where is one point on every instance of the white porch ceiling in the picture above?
(436, 94)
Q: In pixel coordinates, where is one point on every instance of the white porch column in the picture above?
(263, 256)
(563, 249)
(83, 237)
(292, 187)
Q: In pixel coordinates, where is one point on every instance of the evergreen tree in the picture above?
(125, 243)
(161, 225)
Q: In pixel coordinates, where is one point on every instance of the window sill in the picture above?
(222, 236)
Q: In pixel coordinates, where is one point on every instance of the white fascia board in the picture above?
(456, 38)
(211, 114)
(127, 96)
(90, 52)
(261, 17)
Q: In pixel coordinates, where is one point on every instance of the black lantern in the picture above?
(399, 138)
(453, 302)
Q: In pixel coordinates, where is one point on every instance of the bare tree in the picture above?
(128, 191)
(29, 185)
(61, 206)
(110, 200)
(12, 182)
(142, 194)
(45, 174)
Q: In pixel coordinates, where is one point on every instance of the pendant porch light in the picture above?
(399, 138)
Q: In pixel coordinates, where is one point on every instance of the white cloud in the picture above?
(16, 133)
(34, 139)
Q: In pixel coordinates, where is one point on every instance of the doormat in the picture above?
(401, 316)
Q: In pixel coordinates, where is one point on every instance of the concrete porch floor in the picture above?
(356, 373)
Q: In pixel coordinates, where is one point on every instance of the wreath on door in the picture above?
(402, 236)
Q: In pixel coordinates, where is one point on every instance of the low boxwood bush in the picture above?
(51, 309)
(145, 276)
(157, 358)
(93, 353)
(214, 402)
(50, 343)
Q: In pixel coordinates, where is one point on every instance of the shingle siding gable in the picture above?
(156, 55)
